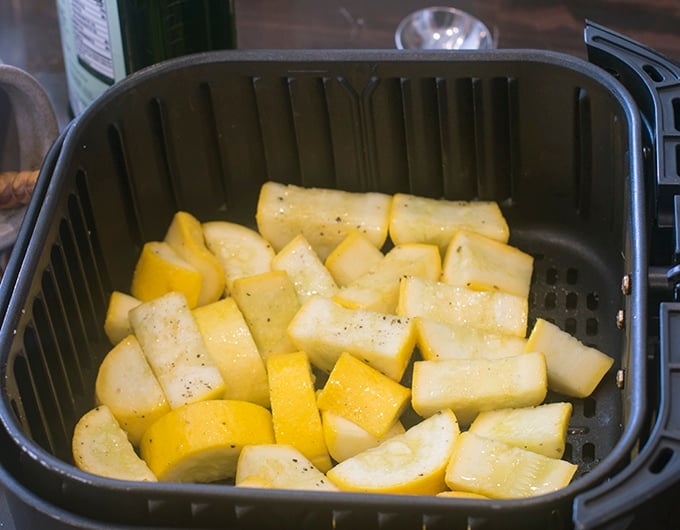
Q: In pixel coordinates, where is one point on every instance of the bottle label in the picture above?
(92, 47)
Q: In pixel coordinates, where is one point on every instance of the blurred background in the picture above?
(30, 39)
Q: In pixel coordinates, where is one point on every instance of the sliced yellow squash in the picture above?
(102, 448)
(498, 470)
(279, 466)
(354, 256)
(363, 395)
(574, 369)
(378, 288)
(344, 438)
(233, 350)
(201, 442)
(268, 302)
(240, 250)
(307, 272)
(173, 345)
(416, 219)
(127, 386)
(484, 264)
(160, 270)
(493, 311)
(440, 340)
(541, 429)
(324, 216)
(185, 236)
(325, 330)
(411, 463)
(296, 417)
(469, 386)
(117, 321)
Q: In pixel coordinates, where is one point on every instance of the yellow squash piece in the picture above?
(185, 236)
(253, 481)
(494, 311)
(201, 442)
(410, 463)
(117, 321)
(323, 216)
(495, 469)
(378, 288)
(541, 429)
(363, 395)
(233, 350)
(281, 467)
(160, 270)
(127, 386)
(574, 369)
(469, 386)
(268, 302)
(174, 347)
(417, 219)
(345, 438)
(439, 340)
(307, 272)
(354, 256)
(241, 251)
(484, 264)
(101, 447)
(325, 330)
(461, 495)
(296, 417)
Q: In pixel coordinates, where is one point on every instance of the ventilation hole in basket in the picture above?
(677, 159)
(572, 276)
(592, 301)
(32, 411)
(653, 73)
(572, 300)
(15, 408)
(52, 340)
(589, 407)
(551, 276)
(570, 325)
(550, 301)
(568, 452)
(676, 118)
(661, 460)
(588, 452)
(592, 326)
(75, 237)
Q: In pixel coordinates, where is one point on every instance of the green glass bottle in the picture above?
(105, 40)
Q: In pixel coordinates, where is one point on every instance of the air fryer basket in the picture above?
(555, 140)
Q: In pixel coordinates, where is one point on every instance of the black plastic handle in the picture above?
(654, 82)
(657, 467)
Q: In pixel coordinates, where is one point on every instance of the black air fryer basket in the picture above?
(574, 160)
